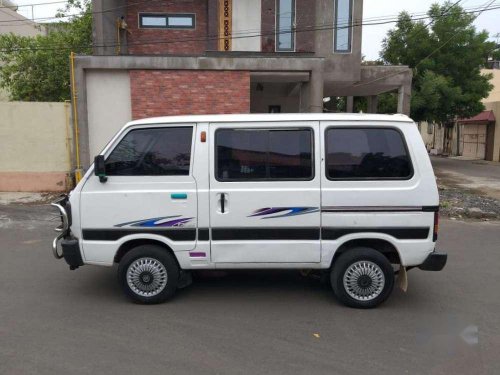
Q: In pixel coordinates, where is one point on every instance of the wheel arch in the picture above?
(133, 243)
(385, 247)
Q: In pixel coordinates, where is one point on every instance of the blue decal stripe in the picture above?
(283, 212)
(164, 221)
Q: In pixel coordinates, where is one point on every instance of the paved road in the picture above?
(56, 321)
(471, 168)
(477, 175)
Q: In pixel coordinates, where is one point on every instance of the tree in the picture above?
(446, 58)
(37, 68)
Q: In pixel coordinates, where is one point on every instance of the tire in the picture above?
(369, 278)
(148, 274)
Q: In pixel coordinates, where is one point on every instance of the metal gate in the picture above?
(472, 141)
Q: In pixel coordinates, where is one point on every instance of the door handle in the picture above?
(178, 195)
(222, 202)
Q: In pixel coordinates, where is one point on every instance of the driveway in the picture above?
(56, 321)
(478, 175)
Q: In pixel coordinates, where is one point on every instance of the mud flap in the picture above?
(185, 279)
(403, 278)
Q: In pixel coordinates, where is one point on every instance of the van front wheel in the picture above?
(148, 274)
(362, 278)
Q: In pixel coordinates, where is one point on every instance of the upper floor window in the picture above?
(343, 26)
(285, 25)
(166, 21)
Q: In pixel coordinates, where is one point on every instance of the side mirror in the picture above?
(100, 168)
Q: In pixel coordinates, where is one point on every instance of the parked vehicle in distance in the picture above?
(353, 195)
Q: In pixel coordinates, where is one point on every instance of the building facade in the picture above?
(170, 57)
(477, 137)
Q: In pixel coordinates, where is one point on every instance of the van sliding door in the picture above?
(265, 192)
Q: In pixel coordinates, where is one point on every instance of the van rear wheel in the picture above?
(148, 274)
(362, 278)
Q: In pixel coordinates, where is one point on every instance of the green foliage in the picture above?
(387, 102)
(37, 68)
(446, 59)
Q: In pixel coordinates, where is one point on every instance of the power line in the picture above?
(450, 39)
(442, 14)
(441, 46)
(390, 17)
(33, 5)
(217, 37)
(85, 12)
(274, 32)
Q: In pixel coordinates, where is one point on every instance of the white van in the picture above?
(353, 195)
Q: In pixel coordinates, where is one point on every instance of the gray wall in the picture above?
(338, 66)
(108, 106)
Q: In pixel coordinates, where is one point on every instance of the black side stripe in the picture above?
(227, 234)
(203, 234)
(255, 234)
(341, 209)
(177, 234)
(417, 233)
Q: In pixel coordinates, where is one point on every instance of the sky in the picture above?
(372, 35)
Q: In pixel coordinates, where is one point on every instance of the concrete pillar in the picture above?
(404, 98)
(304, 97)
(401, 96)
(349, 104)
(316, 92)
(311, 93)
(106, 13)
(372, 104)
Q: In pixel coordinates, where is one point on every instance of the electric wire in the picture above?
(273, 32)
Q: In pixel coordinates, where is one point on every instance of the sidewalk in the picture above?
(26, 198)
(480, 176)
(468, 188)
(474, 160)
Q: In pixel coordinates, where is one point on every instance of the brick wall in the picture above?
(167, 41)
(185, 92)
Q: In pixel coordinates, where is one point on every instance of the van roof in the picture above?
(272, 117)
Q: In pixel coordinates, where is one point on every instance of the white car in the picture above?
(353, 195)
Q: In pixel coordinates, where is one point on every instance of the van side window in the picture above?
(366, 153)
(264, 154)
(152, 152)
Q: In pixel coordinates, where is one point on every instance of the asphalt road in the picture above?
(56, 321)
(475, 175)
(471, 168)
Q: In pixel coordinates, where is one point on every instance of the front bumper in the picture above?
(434, 262)
(71, 252)
(70, 248)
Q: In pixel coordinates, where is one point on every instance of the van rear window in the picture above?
(366, 154)
(152, 152)
(264, 154)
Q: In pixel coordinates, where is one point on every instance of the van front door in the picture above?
(265, 192)
(150, 192)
